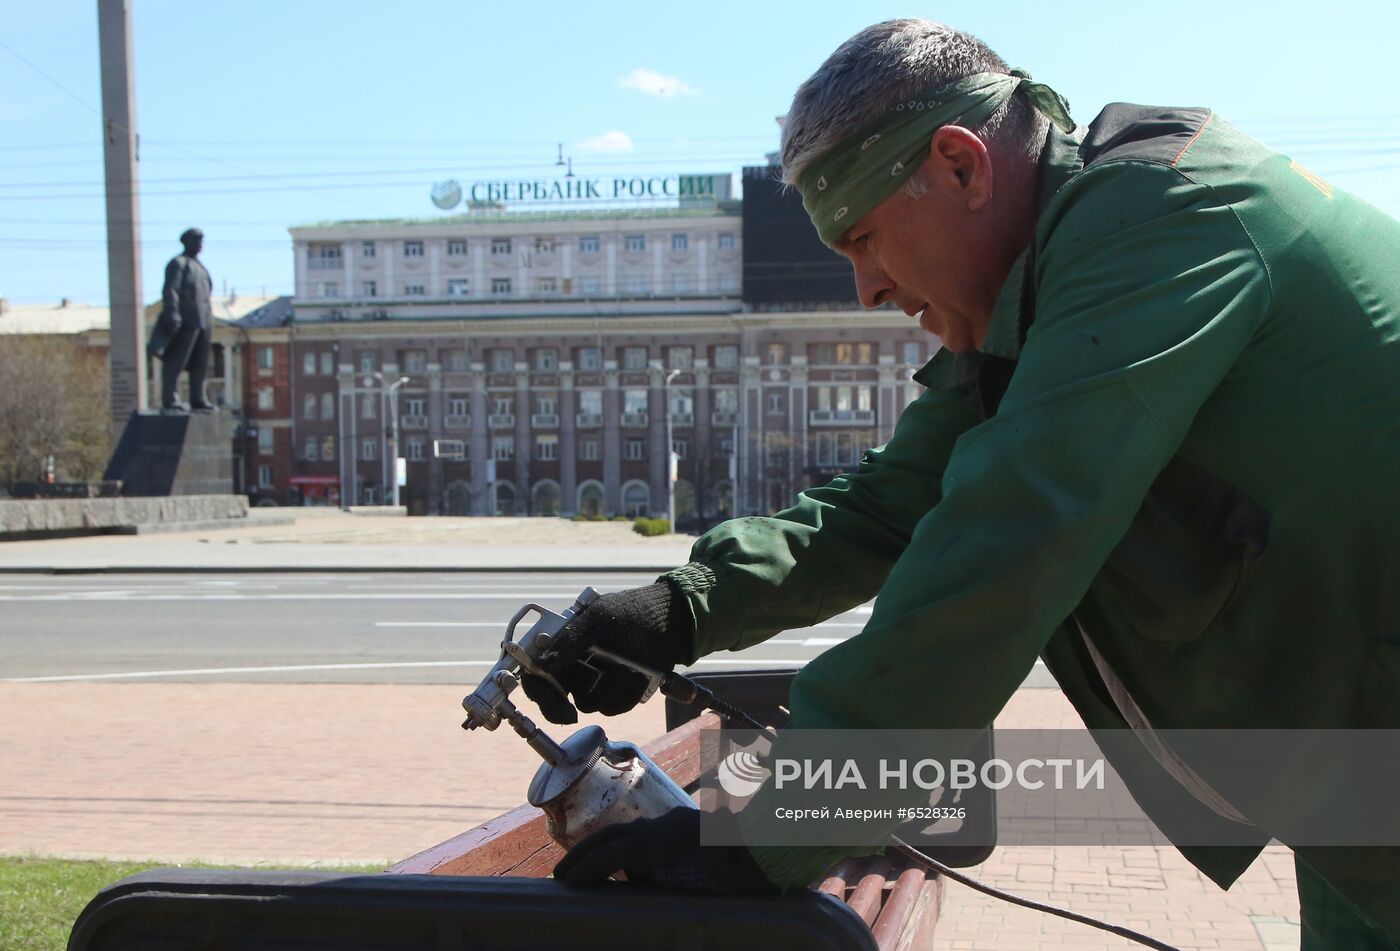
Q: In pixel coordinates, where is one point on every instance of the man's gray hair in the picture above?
(883, 64)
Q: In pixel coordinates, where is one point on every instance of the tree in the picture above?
(53, 402)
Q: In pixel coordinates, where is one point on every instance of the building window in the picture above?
(328, 406)
(371, 289)
(635, 242)
(680, 242)
(634, 358)
(636, 499)
(680, 283)
(635, 284)
(459, 406)
(367, 361)
(729, 283)
(330, 289)
(414, 406)
(327, 362)
(503, 406)
(369, 450)
(679, 358)
(367, 249)
(635, 449)
(681, 447)
(589, 450)
(726, 357)
(414, 361)
(502, 360)
(500, 246)
(455, 360)
(776, 353)
(328, 449)
(313, 449)
(456, 247)
(500, 286)
(589, 244)
(264, 477)
(458, 287)
(726, 400)
(547, 448)
(416, 446)
(503, 448)
(634, 401)
(369, 405)
(413, 249)
(546, 285)
(547, 406)
(590, 284)
(726, 445)
(308, 406)
(546, 359)
(777, 403)
(265, 444)
(265, 398)
(415, 290)
(912, 353)
(590, 402)
(544, 245)
(726, 241)
(590, 358)
(266, 358)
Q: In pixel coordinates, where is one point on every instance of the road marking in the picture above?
(136, 674)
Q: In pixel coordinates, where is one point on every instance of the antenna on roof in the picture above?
(560, 160)
(570, 172)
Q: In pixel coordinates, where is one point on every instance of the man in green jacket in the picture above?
(1158, 450)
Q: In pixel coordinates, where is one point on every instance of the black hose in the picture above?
(932, 864)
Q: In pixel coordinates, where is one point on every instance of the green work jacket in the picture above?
(1178, 448)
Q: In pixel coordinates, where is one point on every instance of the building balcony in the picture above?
(588, 420)
(634, 419)
(501, 420)
(414, 422)
(682, 419)
(723, 419)
(841, 417)
(325, 264)
(544, 420)
(457, 422)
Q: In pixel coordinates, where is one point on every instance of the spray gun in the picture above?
(587, 782)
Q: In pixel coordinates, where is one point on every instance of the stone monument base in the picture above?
(174, 454)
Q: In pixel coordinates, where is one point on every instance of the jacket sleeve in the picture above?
(1148, 289)
(170, 294)
(750, 578)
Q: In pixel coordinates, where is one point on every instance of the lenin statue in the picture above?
(181, 336)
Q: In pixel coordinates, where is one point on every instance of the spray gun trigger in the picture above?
(528, 663)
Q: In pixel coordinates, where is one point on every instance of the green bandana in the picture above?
(869, 166)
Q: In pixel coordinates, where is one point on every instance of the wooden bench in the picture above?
(899, 902)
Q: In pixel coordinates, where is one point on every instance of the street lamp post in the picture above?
(670, 457)
(391, 451)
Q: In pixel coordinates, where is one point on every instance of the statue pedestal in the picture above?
(162, 455)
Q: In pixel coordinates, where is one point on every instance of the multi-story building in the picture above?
(534, 363)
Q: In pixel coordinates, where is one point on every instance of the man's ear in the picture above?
(962, 163)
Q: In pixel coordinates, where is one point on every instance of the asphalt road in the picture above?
(331, 628)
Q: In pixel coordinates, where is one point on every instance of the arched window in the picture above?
(590, 499)
(722, 496)
(457, 498)
(636, 499)
(544, 498)
(684, 496)
(505, 498)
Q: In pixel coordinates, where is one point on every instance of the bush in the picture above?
(619, 518)
(651, 526)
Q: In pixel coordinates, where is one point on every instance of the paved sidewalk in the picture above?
(330, 540)
(296, 774)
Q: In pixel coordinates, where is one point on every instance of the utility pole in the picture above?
(120, 155)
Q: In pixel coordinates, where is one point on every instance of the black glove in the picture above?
(651, 625)
(666, 852)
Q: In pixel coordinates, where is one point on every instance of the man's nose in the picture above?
(873, 285)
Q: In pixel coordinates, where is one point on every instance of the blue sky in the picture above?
(259, 115)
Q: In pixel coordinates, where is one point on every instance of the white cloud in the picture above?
(656, 84)
(610, 141)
